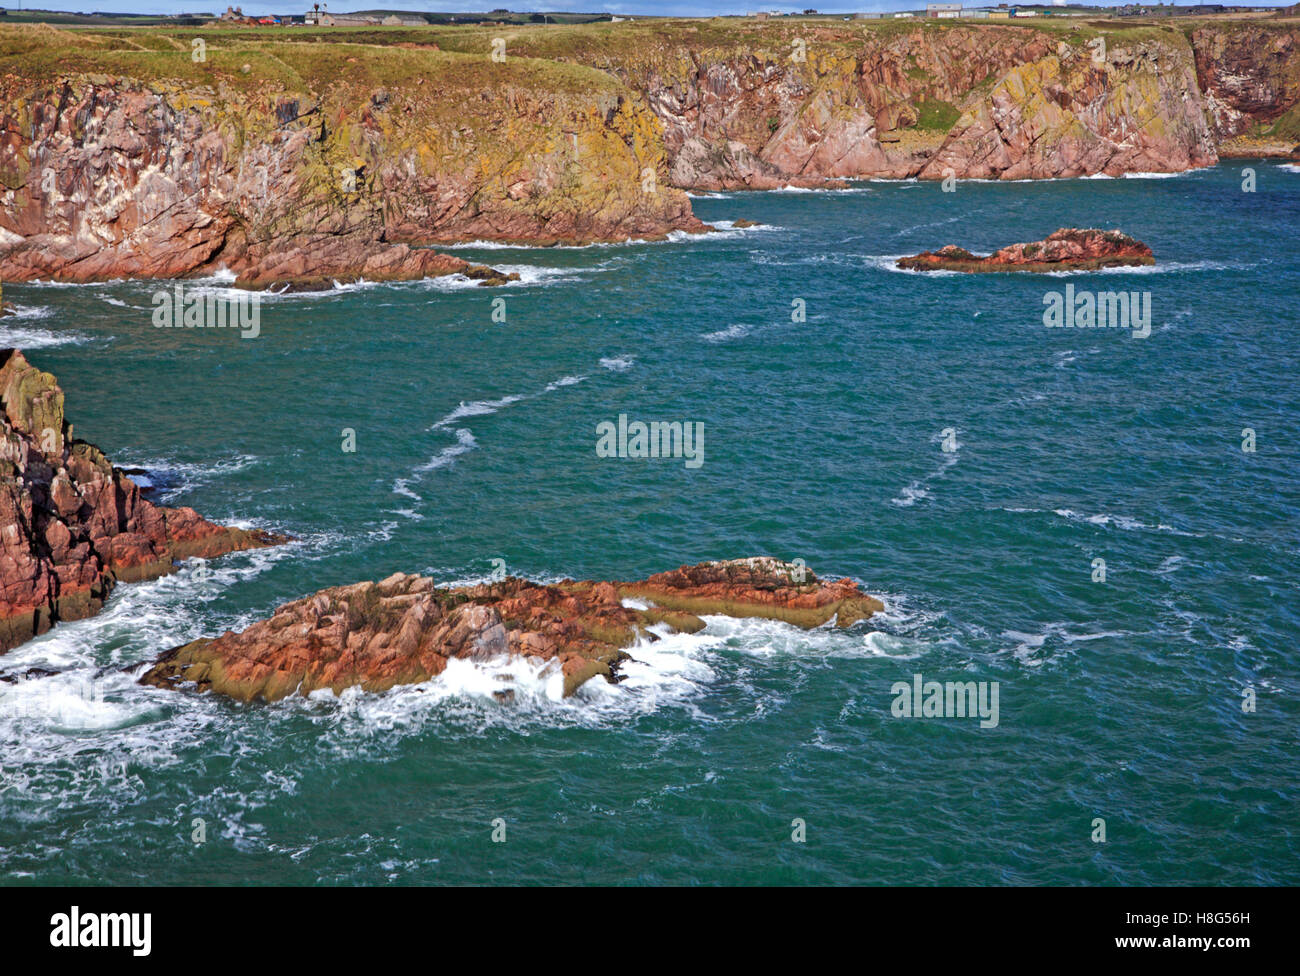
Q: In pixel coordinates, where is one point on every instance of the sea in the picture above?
(1100, 527)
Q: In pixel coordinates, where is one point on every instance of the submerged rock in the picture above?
(1068, 249)
(404, 629)
(71, 524)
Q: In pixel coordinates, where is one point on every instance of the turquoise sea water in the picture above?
(824, 440)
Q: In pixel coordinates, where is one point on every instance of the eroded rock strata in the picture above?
(336, 161)
(1068, 249)
(404, 629)
(72, 525)
(297, 158)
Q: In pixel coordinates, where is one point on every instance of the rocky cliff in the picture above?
(1251, 79)
(284, 162)
(304, 155)
(761, 104)
(72, 525)
(757, 105)
(404, 629)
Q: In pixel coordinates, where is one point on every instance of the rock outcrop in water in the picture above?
(1068, 249)
(405, 629)
(72, 525)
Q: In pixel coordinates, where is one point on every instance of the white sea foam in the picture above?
(737, 331)
(477, 408)
(175, 477)
(672, 237)
(465, 443)
(23, 338)
(1140, 175)
(730, 225)
(562, 382)
(465, 440)
(1290, 167)
(1123, 522)
(618, 363)
(917, 490)
(25, 312)
(889, 262)
(822, 189)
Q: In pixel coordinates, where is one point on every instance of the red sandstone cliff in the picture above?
(71, 525)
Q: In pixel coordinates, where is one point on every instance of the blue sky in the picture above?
(685, 8)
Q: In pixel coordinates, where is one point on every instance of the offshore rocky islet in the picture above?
(1067, 249)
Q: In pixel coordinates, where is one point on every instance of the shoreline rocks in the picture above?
(405, 629)
(71, 524)
(1068, 249)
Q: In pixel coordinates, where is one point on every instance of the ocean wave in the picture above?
(672, 237)
(618, 364)
(730, 225)
(828, 189)
(172, 477)
(477, 408)
(562, 382)
(917, 490)
(737, 331)
(21, 338)
(1033, 650)
(465, 443)
(889, 262)
(1137, 175)
(465, 440)
(1167, 267)
(1124, 523)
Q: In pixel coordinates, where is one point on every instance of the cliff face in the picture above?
(71, 524)
(801, 104)
(1251, 79)
(1068, 115)
(303, 169)
(303, 156)
(802, 107)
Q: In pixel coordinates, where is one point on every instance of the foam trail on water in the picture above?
(917, 490)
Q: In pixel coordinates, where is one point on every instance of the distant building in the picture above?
(972, 13)
(944, 10)
(233, 13)
(901, 16)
